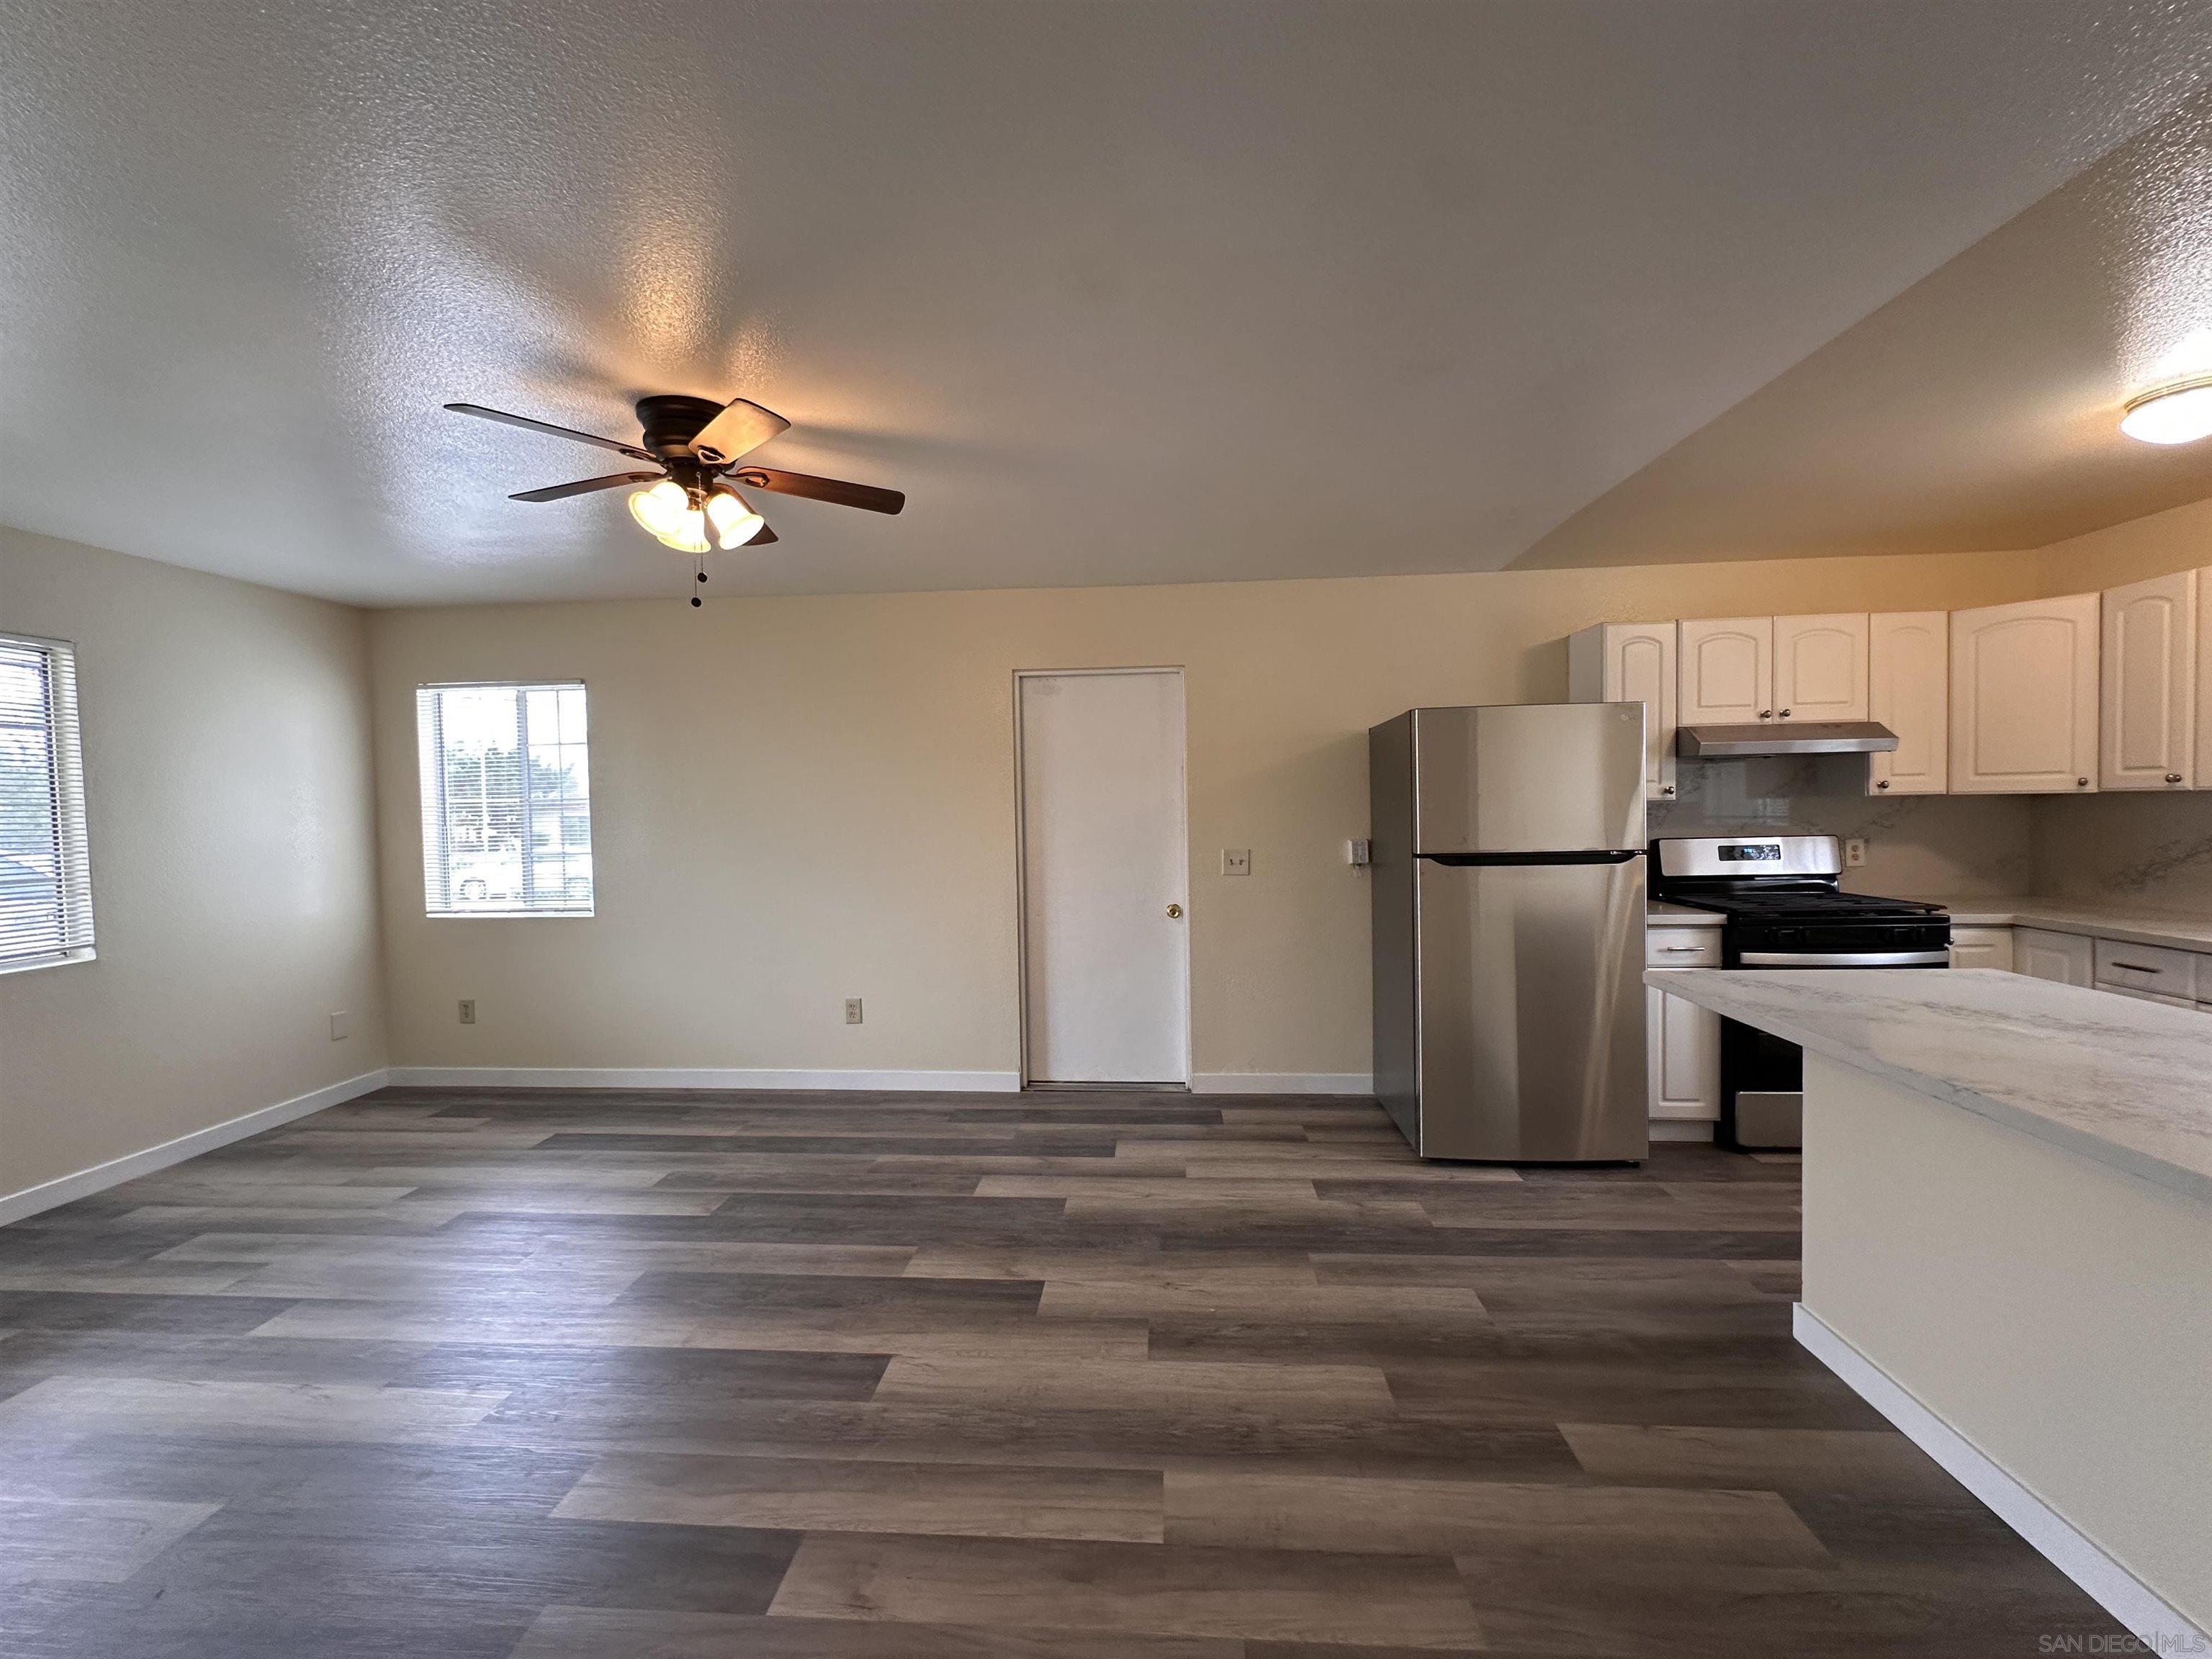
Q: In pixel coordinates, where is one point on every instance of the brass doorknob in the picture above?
(1175, 911)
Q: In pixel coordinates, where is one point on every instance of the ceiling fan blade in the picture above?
(582, 487)
(740, 428)
(763, 538)
(483, 414)
(866, 496)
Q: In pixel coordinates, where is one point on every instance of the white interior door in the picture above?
(1104, 868)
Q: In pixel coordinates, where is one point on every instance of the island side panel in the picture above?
(2054, 1311)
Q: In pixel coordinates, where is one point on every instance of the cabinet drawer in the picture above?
(2150, 996)
(2146, 967)
(1682, 947)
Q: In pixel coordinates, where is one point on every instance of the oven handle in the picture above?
(1845, 958)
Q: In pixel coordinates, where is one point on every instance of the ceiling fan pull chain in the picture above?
(699, 574)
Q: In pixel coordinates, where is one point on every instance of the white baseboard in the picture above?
(63, 1189)
(673, 1077)
(1283, 1083)
(2111, 1586)
(1682, 1128)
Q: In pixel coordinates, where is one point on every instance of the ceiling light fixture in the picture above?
(734, 521)
(2179, 414)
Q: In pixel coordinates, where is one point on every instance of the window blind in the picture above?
(45, 878)
(507, 799)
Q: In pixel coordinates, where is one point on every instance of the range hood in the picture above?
(1785, 737)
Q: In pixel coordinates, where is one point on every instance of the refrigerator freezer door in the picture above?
(1531, 1001)
(1529, 778)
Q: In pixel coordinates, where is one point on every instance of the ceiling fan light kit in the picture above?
(2177, 414)
(686, 505)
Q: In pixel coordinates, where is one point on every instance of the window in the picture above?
(507, 801)
(46, 885)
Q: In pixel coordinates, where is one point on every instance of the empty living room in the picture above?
(1105, 828)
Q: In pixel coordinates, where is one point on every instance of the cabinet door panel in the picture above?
(2149, 686)
(1981, 947)
(1820, 668)
(1909, 691)
(2024, 698)
(1727, 671)
(1683, 1045)
(2064, 958)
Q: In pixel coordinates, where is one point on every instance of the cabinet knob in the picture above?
(2174, 777)
(1666, 788)
(1786, 714)
(2081, 783)
(1884, 784)
(1766, 713)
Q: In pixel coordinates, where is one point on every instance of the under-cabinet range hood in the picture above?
(1785, 737)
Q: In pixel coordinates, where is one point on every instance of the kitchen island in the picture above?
(2008, 1241)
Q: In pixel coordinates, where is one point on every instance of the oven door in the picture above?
(1762, 1077)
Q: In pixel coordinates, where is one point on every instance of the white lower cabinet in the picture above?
(1682, 1042)
(1981, 947)
(2066, 959)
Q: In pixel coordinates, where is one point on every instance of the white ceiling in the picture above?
(1116, 292)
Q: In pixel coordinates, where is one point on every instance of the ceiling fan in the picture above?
(690, 502)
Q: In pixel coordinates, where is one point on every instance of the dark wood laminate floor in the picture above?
(836, 1377)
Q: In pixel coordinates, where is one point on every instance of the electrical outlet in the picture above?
(468, 1011)
(1853, 851)
(1359, 852)
(341, 1026)
(852, 1010)
(1235, 860)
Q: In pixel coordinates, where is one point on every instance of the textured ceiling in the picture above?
(1115, 292)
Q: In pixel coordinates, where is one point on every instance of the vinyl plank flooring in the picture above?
(1487, 1518)
(1084, 1375)
(102, 1540)
(597, 1633)
(1299, 1596)
(843, 1495)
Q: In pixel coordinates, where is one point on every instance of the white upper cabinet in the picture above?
(1909, 691)
(1728, 671)
(2150, 667)
(1820, 668)
(2202, 768)
(2024, 698)
(1631, 662)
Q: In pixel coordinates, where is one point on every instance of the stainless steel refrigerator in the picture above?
(1509, 930)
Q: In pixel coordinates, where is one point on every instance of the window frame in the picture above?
(72, 828)
(554, 811)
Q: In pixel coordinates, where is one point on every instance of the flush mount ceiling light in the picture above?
(691, 504)
(2177, 414)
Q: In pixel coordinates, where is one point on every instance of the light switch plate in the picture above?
(341, 1026)
(1235, 860)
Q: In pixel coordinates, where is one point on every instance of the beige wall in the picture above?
(228, 789)
(799, 800)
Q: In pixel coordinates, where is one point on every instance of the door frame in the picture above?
(1022, 853)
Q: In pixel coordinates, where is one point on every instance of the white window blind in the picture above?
(46, 881)
(507, 799)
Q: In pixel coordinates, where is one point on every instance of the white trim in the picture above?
(1682, 1128)
(63, 1189)
(708, 1077)
(1282, 1083)
(2111, 1586)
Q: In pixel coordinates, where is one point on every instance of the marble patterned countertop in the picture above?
(2125, 1082)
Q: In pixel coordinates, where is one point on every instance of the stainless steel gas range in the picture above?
(1783, 908)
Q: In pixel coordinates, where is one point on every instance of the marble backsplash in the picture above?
(1940, 845)
(2136, 849)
